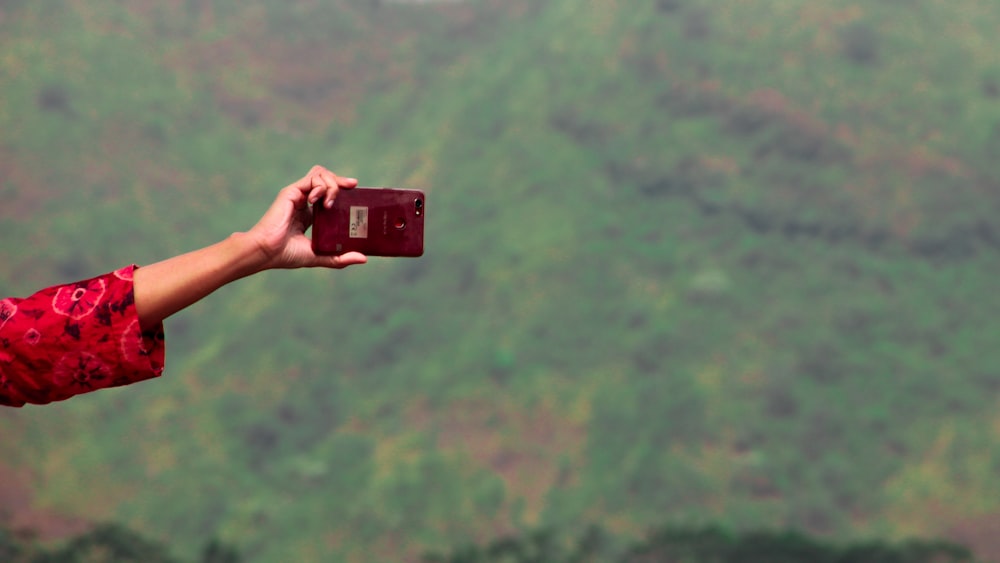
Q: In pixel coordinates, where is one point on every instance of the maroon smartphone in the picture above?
(373, 221)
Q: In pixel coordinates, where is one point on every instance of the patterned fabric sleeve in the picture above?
(75, 338)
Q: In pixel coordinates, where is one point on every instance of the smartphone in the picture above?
(373, 221)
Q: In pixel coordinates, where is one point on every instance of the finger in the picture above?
(334, 183)
(306, 183)
(342, 183)
(328, 177)
(341, 261)
(316, 193)
(312, 178)
(294, 194)
(351, 258)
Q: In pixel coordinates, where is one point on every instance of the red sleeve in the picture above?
(70, 339)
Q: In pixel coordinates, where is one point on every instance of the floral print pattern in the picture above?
(80, 370)
(79, 299)
(32, 337)
(134, 345)
(124, 274)
(74, 338)
(7, 310)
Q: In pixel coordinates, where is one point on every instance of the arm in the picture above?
(277, 241)
(106, 331)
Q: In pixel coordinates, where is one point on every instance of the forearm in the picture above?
(277, 241)
(166, 287)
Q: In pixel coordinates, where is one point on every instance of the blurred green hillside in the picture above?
(689, 262)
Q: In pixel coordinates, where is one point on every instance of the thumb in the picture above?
(341, 261)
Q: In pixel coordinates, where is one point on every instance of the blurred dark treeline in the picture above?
(111, 543)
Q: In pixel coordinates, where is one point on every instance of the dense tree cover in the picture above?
(688, 260)
(112, 543)
(706, 545)
(107, 543)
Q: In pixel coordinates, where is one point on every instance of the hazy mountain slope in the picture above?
(687, 262)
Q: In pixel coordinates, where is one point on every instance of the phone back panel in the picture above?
(373, 221)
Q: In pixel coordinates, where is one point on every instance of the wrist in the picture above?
(248, 255)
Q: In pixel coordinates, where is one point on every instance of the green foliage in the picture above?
(109, 543)
(216, 552)
(860, 43)
(708, 545)
(106, 543)
(714, 545)
(11, 549)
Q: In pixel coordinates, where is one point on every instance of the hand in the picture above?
(280, 233)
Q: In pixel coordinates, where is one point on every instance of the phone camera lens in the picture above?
(418, 204)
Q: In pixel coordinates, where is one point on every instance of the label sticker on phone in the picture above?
(359, 222)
